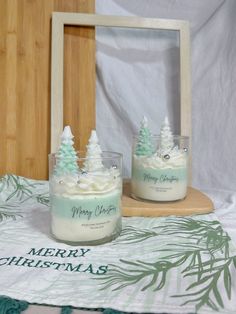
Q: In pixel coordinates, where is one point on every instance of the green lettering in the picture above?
(70, 267)
(49, 252)
(60, 252)
(58, 265)
(89, 269)
(15, 260)
(34, 252)
(42, 252)
(38, 263)
(73, 253)
(46, 264)
(27, 262)
(102, 270)
(4, 258)
(84, 251)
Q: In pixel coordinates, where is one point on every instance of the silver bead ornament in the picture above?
(166, 157)
(61, 182)
(185, 149)
(114, 167)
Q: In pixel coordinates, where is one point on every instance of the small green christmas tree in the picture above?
(144, 145)
(66, 157)
(93, 160)
(167, 141)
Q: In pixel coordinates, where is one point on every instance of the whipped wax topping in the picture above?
(97, 182)
(177, 159)
(167, 156)
(92, 178)
(93, 160)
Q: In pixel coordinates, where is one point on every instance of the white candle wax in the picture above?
(155, 180)
(84, 218)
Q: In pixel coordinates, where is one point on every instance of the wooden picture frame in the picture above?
(59, 20)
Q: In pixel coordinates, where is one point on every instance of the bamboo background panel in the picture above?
(25, 48)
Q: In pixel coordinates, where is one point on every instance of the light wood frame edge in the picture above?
(60, 19)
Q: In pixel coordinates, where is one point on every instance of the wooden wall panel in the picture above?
(25, 46)
(80, 76)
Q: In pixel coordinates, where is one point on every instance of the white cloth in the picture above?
(157, 265)
(137, 74)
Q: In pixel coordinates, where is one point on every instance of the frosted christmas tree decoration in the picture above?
(85, 203)
(160, 175)
(66, 157)
(93, 160)
(67, 135)
(167, 142)
(144, 146)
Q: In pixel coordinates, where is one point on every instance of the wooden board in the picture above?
(195, 203)
(25, 53)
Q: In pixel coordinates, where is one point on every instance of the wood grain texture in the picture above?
(79, 76)
(185, 87)
(195, 203)
(25, 52)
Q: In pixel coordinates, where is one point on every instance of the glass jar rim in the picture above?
(106, 155)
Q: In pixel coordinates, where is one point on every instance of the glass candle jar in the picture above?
(160, 173)
(85, 200)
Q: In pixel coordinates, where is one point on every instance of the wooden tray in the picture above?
(195, 203)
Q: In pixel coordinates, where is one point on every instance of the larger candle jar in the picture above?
(160, 168)
(85, 200)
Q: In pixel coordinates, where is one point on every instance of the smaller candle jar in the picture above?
(160, 168)
(85, 198)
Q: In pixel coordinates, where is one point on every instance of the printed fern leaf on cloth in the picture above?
(199, 247)
(9, 212)
(131, 235)
(16, 188)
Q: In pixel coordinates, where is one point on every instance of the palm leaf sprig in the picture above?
(133, 272)
(7, 215)
(17, 180)
(193, 255)
(206, 288)
(207, 267)
(5, 181)
(20, 192)
(196, 230)
(189, 226)
(207, 234)
(42, 198)
(204, 258)
(219, 247)
(196, 252)
(211, 246)
(21, 186)
(216, 240)
(155, 273)
(188, 254)
(9, 212)
(131, 235)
